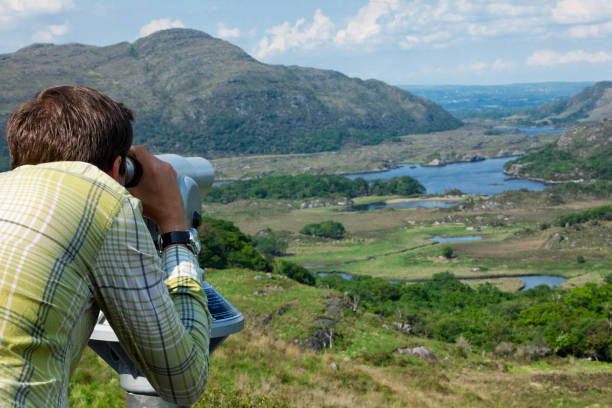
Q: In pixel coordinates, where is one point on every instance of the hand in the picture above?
(159, 192)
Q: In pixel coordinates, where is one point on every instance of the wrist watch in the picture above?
(188, 238)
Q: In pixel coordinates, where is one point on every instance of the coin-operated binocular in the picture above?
(195, 177)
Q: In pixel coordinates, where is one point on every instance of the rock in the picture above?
(469, 228)
(475, 269)
(303, 206)
(403, 327)
(269, 275)
(554, 242)
(268, 319)
(419, 351)
(258, 277)
(262, 293)
(333, 366)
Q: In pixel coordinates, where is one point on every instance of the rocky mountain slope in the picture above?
(193, 93)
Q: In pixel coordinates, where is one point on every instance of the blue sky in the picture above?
(397, 41)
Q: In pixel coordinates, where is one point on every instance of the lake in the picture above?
(456, 239)
(483, 178)
(532, 131)
(411, 204)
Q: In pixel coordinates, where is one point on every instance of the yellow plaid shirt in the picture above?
(74, 242)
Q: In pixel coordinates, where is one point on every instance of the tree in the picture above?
(447, 252)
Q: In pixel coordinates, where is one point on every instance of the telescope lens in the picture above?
(133, 172)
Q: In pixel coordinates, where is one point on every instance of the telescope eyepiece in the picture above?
(133, 172)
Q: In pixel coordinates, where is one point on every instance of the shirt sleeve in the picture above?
(156, 307)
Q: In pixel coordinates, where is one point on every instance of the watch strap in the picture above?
(175, 237)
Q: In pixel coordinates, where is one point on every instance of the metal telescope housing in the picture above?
(195, 177)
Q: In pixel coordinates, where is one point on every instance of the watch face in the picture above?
(194, 241)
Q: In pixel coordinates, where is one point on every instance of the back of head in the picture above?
(69, 123)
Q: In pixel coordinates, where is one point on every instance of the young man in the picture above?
(74, 241)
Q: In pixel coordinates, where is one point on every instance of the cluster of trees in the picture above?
(603, 213)
(564, 322)
(325, 229)
(306, 186)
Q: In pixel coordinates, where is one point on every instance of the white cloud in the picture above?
(593, 30)
(497, 65)
(511, 10)
(224, 32)
(50, 33)
(581, 11)
(284, 37)
(365, 24)
(549, 57)
(11, 10)
(435, 40)
(161, 24)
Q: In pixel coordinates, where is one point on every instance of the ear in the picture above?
(114, 171)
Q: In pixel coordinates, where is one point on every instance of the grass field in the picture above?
(393, 243)
(266, 365)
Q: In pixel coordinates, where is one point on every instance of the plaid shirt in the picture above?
(74, 242)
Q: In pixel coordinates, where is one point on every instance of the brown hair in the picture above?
(69, 123)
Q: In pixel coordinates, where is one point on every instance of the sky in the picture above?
(402, 42)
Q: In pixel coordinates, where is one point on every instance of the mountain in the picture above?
(591, 105)
(192, 93)
(580, 154)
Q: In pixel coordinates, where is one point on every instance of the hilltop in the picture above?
(592, 104)
(193, 93)
(580, 154)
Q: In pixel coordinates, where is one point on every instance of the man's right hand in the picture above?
(159, 192)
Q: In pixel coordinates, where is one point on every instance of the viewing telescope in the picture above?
(195, 177)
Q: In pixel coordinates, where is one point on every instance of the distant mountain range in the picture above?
(192, 93)
(466, 101)
(592, 104)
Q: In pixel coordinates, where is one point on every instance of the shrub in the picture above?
(504, 349)
(270, 244)
(534, 352)
(580, 259)
(326, 229)
(296, 272)
(447, 252)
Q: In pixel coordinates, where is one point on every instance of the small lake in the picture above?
(531, 281)
(484, 177)
(412, 204)
(532, 131)
(456, 239)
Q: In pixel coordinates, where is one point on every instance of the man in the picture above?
(74, 242)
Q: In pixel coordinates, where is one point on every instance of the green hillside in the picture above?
(193, 93)
(583, 153)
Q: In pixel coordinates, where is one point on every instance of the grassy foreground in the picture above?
(268, 365)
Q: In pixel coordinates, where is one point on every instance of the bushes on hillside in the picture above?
(537, 321)
(296, 272)
(578, 217)
(225, 246)
(326, 229)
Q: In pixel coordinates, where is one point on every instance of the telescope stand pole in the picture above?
(140, 394)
